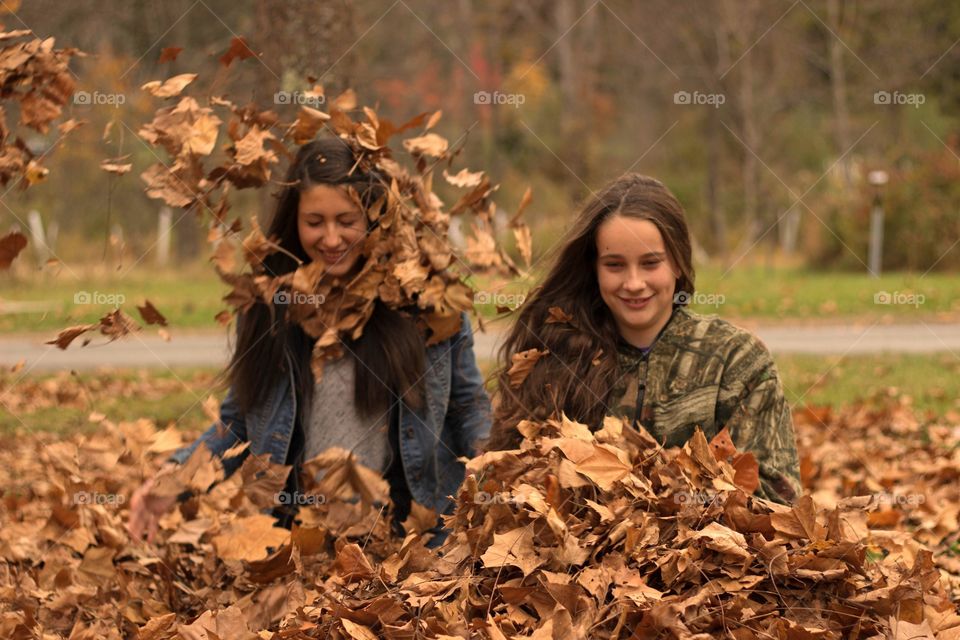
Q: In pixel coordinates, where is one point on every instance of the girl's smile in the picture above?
(331, 227)
(636, 277)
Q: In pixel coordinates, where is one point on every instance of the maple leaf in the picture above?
(238, 50)
(513, 548)
(248, 538)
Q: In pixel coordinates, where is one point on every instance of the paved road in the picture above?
(210, 348)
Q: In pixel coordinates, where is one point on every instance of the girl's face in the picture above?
(331, 228)
(636, 277)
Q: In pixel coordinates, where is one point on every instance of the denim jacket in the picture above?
(455, 417)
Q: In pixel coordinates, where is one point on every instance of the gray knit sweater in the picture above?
(335, 421)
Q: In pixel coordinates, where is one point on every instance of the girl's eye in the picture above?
(651, 263)
(613, 265)
(349, 223)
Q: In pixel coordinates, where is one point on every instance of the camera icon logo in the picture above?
(881, 297)
(881, 97)
(481, 97)
(281, 97)
(82, 297)
(281, 297)
(681, 297)
(81, 97)
(681, 97)
(482, 297)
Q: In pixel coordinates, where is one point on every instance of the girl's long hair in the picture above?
(390, 353)
(578, 373)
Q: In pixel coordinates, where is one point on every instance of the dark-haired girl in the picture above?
(403, 408)
(633, 348)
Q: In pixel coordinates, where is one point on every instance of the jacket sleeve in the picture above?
(753, 407)
(230, 431)
(468, 413)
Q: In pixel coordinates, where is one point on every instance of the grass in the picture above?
(175, 397)
(932, 381)
(190, 298)
(800, 294)
(62, 402)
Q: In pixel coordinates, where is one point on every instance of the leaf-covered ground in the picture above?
(579, 534)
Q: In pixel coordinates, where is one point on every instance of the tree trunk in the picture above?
(751, 137)
(838, 86)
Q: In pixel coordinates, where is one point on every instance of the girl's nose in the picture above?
(634, 280)
(331, 239)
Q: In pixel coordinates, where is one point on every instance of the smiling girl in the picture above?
(403, 408)
(612, 315)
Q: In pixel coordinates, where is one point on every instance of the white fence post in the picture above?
(164, 226)
(40, 248)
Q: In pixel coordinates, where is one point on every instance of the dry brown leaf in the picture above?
(171, 87)
(523, 363)
(150, 314)
(10, 247)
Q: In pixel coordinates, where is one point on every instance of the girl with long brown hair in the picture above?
(619, 338)
(404, 407)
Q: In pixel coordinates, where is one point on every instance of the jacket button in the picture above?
(409, 432)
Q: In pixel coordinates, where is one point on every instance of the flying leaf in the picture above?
(522, 364)
(10, 247)
(430, 145)
(169, 54)
(238, 50)
(115, 166)
(170, 87)
(150, 314)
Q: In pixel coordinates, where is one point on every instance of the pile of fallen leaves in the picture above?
(23, 395)
(598, 535)
(577, 534)
(910, 467)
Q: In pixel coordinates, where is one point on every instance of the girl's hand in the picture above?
(146, 508)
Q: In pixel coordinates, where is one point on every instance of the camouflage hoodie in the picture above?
(703, 371)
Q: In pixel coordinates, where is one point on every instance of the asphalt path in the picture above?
(211, 349)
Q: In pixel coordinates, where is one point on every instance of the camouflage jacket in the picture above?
(703, 371)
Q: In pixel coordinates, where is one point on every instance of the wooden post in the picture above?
(164, 226)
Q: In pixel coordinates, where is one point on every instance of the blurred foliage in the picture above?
(798, 128)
